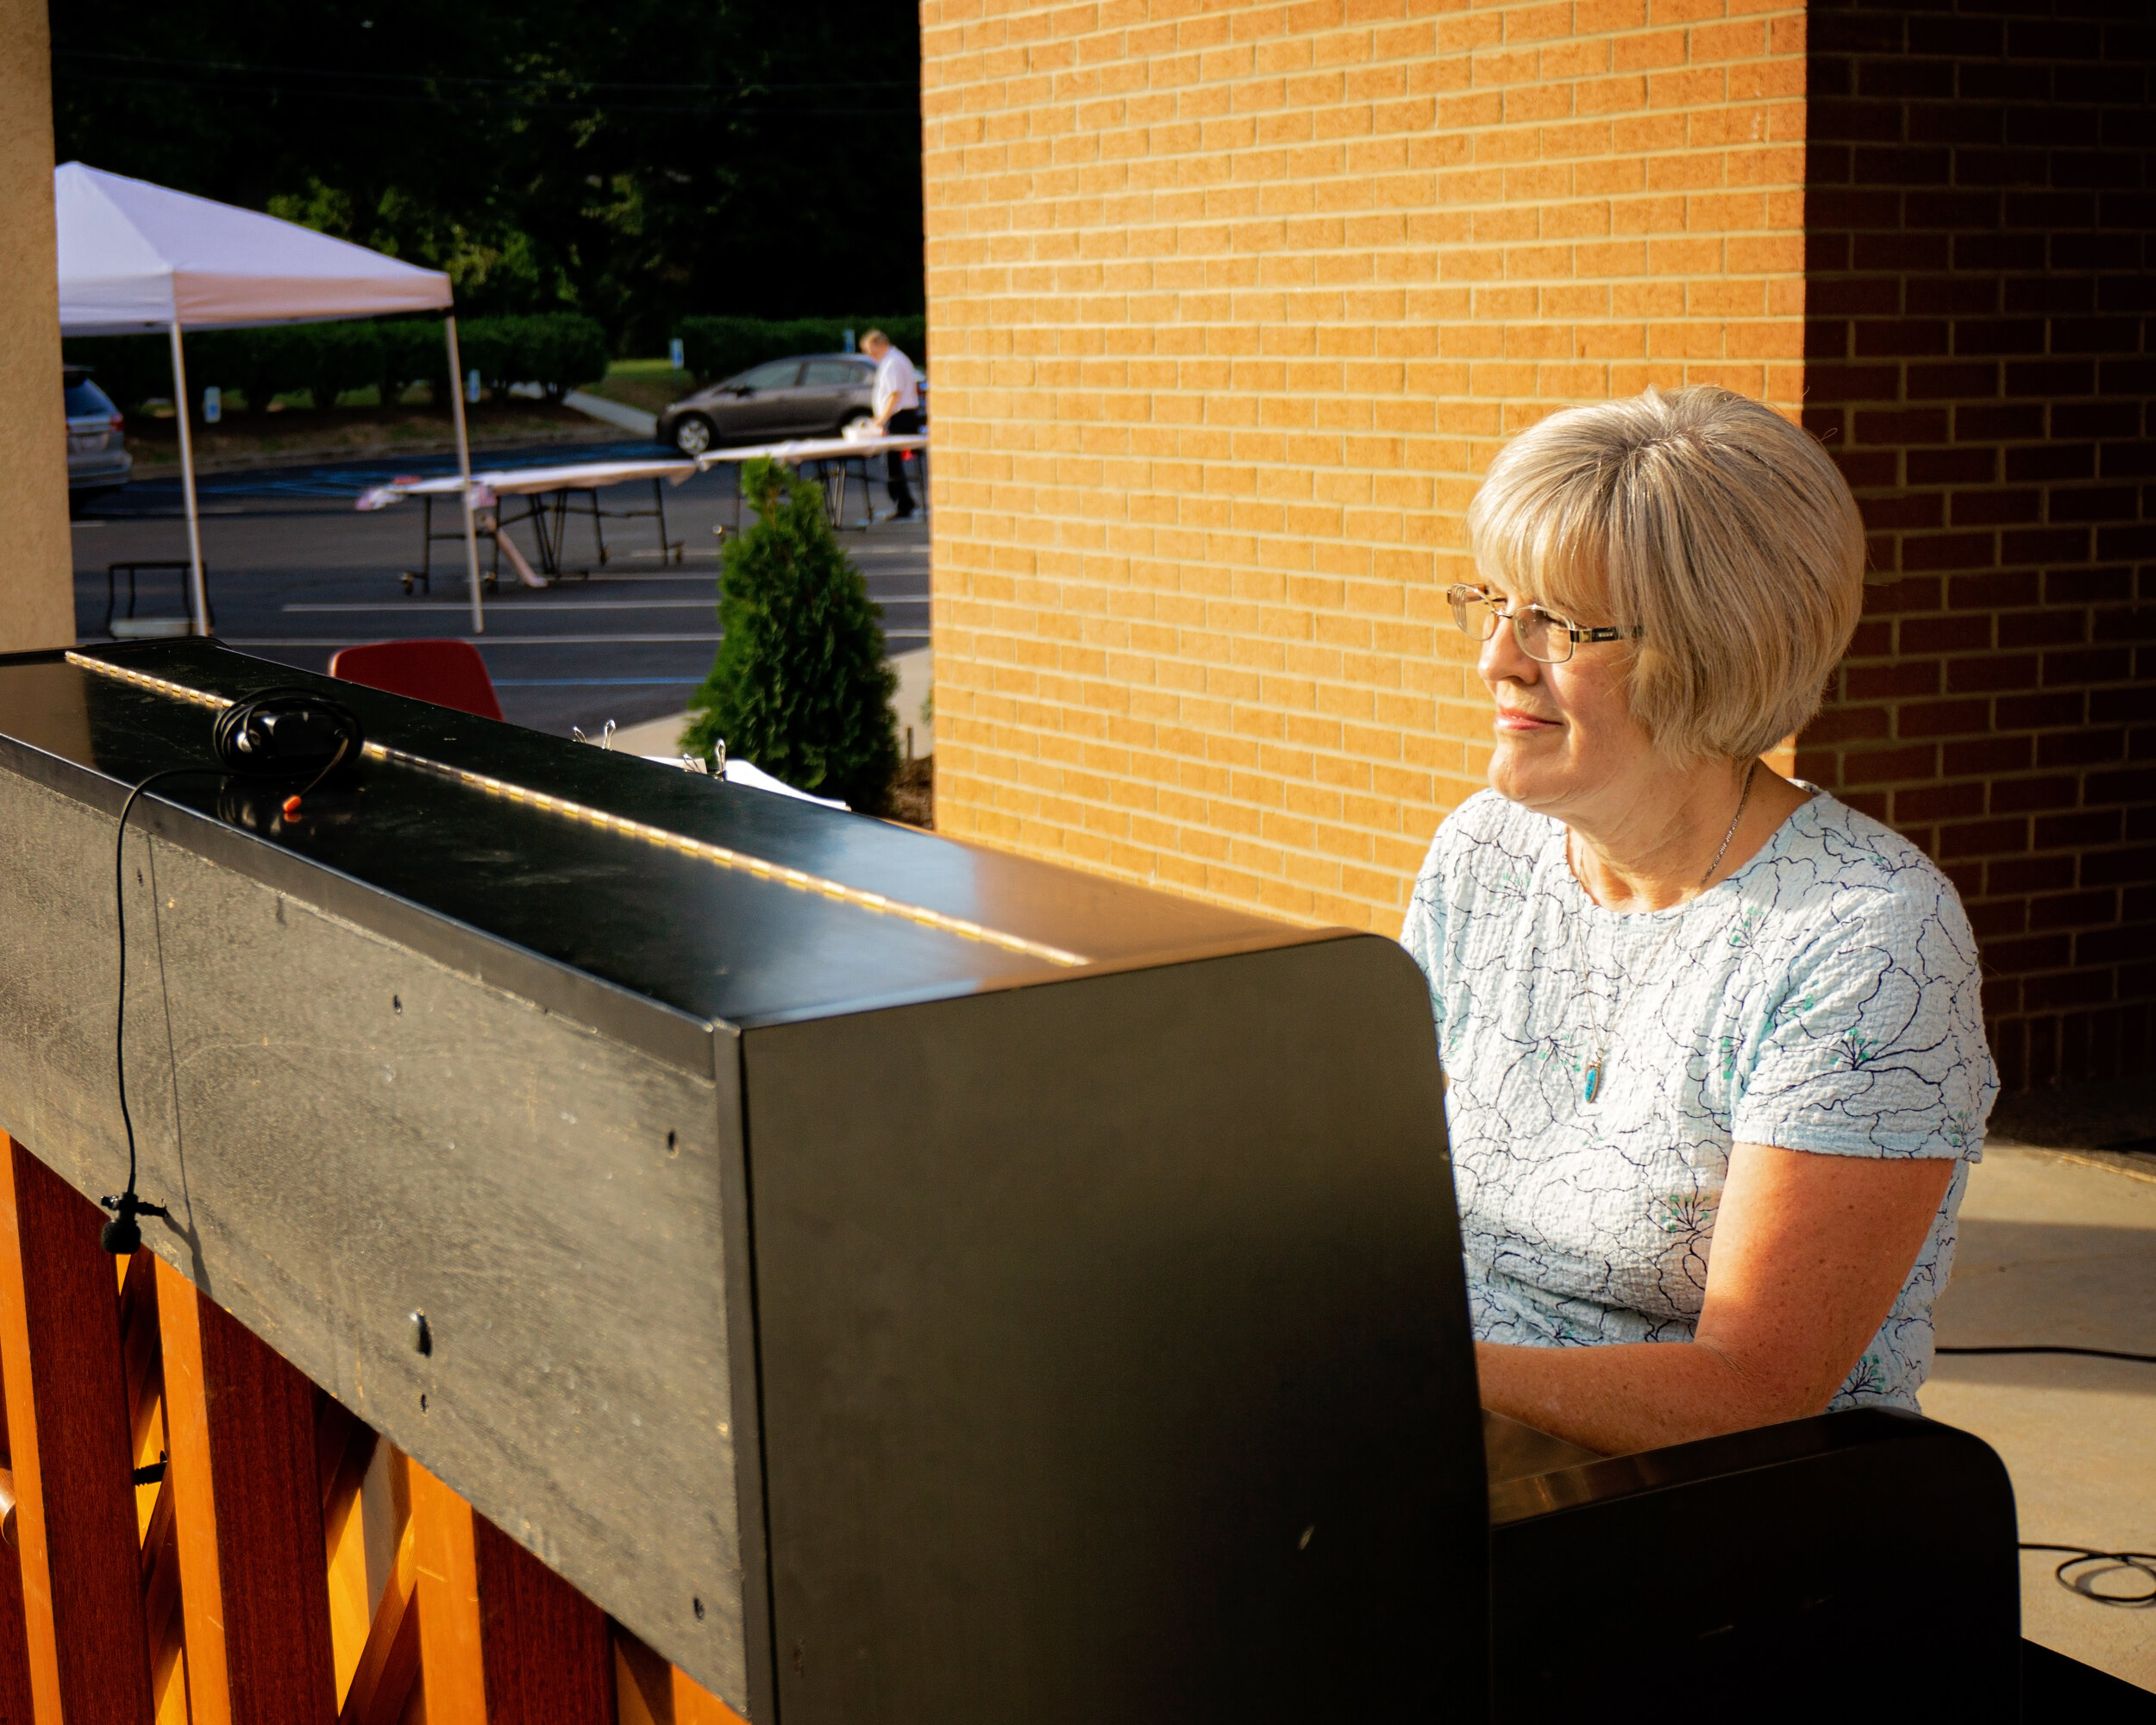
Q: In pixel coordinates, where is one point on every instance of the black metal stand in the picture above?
(423, 575)
(832, 473)
(670, 551)
(549, 513)
(179, 566)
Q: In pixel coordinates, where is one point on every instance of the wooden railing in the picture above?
(198, 1533)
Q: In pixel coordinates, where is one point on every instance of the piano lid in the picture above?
(725, 904)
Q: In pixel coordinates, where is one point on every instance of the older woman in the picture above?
(1716, 1070)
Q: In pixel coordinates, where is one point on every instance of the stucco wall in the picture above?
(37, 604)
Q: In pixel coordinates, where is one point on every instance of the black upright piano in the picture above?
(900, 1282)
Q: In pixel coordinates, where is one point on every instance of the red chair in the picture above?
(447, 672)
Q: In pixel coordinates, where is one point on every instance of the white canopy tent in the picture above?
(135, 257)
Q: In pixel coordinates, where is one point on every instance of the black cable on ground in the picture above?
(2086, 1353)
(2081, 1556)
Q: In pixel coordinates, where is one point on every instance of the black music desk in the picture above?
(900, 1282)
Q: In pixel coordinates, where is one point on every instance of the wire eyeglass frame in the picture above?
(1478, 615)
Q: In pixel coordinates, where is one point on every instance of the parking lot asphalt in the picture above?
(294, 572)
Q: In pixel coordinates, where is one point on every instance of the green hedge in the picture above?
(716, 347)
(558, 351)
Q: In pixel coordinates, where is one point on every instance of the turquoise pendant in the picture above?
(1594, 1083)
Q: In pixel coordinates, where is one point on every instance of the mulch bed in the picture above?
(913, 794)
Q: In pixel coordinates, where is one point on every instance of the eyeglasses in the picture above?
(1544, 637)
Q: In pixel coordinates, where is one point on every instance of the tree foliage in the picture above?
(636, 162)
(799, 686)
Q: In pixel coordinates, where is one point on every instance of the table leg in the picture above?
(666, 552)
(598, 528)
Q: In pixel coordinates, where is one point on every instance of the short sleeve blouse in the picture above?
(1823, 998)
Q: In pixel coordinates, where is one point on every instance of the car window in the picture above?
(86, 399)
(774, 374)
(843, 373)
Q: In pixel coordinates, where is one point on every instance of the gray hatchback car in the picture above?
(98, 459)
(810, 395)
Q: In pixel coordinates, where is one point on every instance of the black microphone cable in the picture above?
(278, 733)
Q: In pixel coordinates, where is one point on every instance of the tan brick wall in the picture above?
(1230, 305)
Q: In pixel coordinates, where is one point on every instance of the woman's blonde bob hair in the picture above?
(1714, 527)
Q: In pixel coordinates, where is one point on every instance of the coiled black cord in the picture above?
(282, 732)
(2079, 1556)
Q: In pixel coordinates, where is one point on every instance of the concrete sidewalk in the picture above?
(2058, 1246)
(916, 719)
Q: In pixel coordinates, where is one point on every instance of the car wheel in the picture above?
(693, 433)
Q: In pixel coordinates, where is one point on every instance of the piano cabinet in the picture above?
(897, 1281)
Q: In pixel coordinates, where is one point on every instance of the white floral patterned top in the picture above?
(1823, 998)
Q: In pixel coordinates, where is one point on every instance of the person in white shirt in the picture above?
(898, 410)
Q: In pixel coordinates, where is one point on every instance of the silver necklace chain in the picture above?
(1591, 1085)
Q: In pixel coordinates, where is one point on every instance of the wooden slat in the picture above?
(346, 1449)
(254, 1420)
(141, 1349)
(15, 1653)
(694, 1704)
(389, 1663)
(160, 1599)
(451, 1666)
(67, 1417)
(654, 1693)
(15, 1703)
(193, 1483)
(549, 1660)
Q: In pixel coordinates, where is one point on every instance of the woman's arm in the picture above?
(1809, 1251)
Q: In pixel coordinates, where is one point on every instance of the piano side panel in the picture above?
(1851, 1565)
(1115, 1349)
(363, 1133)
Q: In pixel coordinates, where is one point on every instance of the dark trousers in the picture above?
(903, 424)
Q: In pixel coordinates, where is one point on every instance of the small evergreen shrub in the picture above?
(799, 686)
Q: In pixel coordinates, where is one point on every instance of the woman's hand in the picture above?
(1809, 1251)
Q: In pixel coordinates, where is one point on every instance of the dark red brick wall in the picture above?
(1981, 359)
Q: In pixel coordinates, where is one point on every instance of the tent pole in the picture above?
(464, 472)
(197, 595)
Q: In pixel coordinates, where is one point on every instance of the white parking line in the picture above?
(507, 606)
(477, 640)
(517, 640)
(523, 605)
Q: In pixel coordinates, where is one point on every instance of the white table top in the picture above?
(590, 475)
(812, 449)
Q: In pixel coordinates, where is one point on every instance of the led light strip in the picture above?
(719, 855)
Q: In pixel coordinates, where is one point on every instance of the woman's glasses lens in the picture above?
(1542, 637)
(1472, 611)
